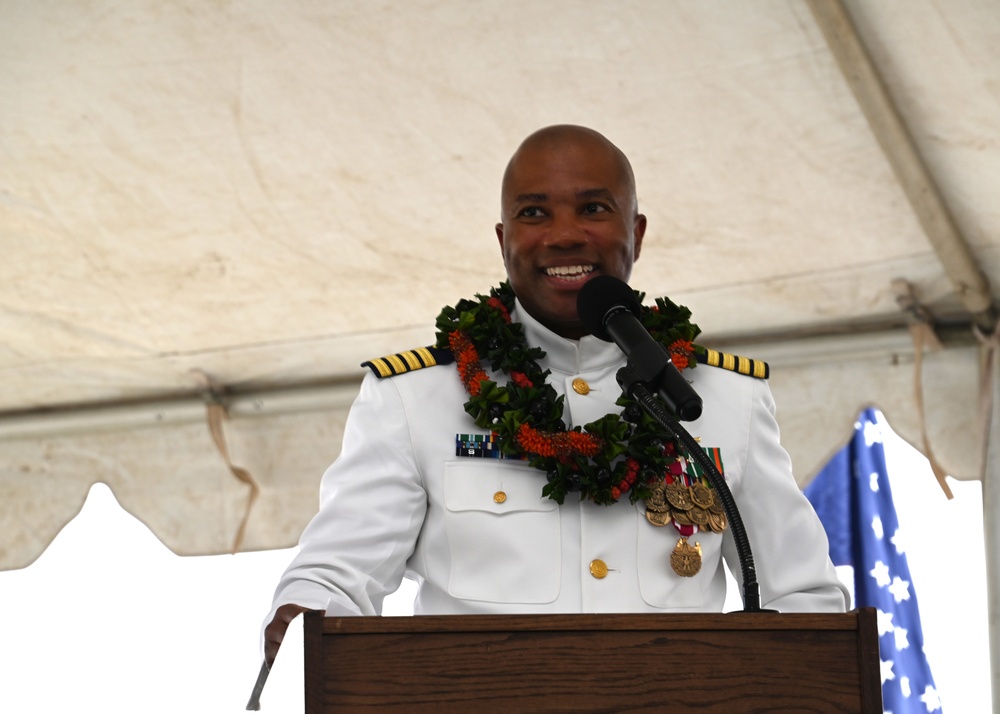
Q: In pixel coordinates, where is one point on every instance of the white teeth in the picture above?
(569, 271)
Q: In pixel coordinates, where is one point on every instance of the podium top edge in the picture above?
(739, 620)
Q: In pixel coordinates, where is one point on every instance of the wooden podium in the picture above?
(736, 662)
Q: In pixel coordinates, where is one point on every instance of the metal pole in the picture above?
(991, 531)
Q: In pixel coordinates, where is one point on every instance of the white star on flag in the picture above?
(877, 527)
(881, 574)
(884, 620)
(900, 589)
(931, 699)
(886, 668)
(900, 634)
(873, 482)
(904, 686)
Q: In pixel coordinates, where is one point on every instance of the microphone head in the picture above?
(599, 298)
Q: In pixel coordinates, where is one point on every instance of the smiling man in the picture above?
(501, 469)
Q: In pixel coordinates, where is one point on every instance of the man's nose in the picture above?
(566, 231)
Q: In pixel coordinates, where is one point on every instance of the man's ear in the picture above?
(638, 231)
(499, 230)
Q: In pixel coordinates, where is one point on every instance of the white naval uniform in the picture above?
(399, 501)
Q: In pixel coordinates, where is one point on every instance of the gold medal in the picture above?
(681, 517)
(717, 522)
(701, 495)
(698, 516)
(657, 501)
(658, 518)
(686, 560)
(679, 496)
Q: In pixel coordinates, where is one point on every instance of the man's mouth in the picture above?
(569, 272)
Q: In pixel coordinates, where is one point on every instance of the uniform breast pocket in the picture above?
(504, 537)
(659, 585)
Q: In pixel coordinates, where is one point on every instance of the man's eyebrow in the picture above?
(531, 198)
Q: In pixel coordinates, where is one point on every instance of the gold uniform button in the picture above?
(598, 568)
(499, 497)
(580, 386)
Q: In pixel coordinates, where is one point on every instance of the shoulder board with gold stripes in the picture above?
(734, 363)
(408, 361)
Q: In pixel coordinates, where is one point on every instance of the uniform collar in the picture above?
(565, 355)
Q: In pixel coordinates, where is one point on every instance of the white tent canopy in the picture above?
(257, 196)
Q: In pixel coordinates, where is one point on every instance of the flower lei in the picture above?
(617, 454)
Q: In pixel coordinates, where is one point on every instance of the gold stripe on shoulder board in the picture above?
(734, 363)
(408, 361)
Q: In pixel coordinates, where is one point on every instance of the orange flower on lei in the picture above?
(562, 445)
(467, 359)
(681, 353)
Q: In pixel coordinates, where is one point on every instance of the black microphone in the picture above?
(610, 311)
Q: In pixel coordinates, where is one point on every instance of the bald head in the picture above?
(569, 138)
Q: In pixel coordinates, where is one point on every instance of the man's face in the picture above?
(568, 215)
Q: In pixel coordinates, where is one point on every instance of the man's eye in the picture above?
(594, 208)
(531, 212)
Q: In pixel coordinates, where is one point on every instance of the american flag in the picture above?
(854, 501)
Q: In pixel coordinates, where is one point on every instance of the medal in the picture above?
(657, 510)
(679, 496)
(717, 522)
(701, 495)
(658, 518)
(698, 516)
(656, 500)
(682, 518)
(686, 560)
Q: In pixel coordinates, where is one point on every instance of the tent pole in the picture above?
(991, 533)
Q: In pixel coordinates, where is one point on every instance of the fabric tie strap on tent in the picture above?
(923, 335)
(922, 332)
(216, 415)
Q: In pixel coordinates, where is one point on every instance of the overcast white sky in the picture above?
(108, 620)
